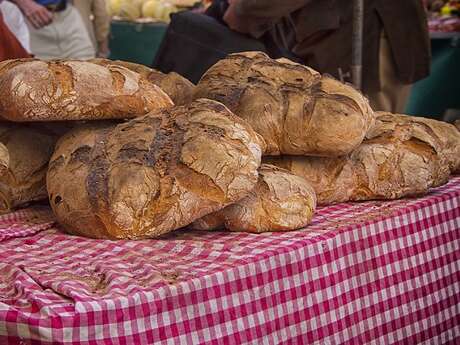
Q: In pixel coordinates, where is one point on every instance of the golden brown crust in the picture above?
(179, 89)
(25, 153)
(443, 136)
(333, 179)
(401, 157)
(280, 201)
(135, 67)
(34, 90)
(296, 111)
(4, 158)
(153, 174)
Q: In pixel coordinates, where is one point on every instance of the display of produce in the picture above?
(153, 174)
(281, 201)
(402, 156)
(179, 89)
(295, 109)
(444, 15)
(24, 154)
(34, 90)
(148, 10)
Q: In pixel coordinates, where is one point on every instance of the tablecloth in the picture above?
(361, 273)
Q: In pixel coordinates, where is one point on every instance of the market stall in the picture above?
(374, 272)
(436, 95)
(185, 216)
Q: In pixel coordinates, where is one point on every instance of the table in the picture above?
(372, 272)
(434, 95)
(136, 42)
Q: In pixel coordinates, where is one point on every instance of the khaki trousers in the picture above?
(393, 94)
(65, 38)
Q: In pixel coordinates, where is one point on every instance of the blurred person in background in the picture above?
(97, 22)
(14, 20)
(56, 30)
(10, 47)
(396, 47)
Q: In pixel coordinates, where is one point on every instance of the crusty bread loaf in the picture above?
(4, 158)
(24, 155)
(280, 201)
(153, 174)
(135, 67)
(442, 135)
(34, 90)
(296, 111)
(396, 161)
(179, 89)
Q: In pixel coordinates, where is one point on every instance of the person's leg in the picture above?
(393, 94)
(43, 41)
(76, 40)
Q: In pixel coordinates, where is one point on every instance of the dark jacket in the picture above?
(320, 31)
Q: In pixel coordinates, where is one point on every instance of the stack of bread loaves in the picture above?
(314, 126)
(37, 91)
(162, 170)
(170, 155)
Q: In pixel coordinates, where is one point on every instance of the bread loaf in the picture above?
(396, 161)
(135, 67)
(280, 201)
(179, 89)
(442, 135)
(291, 106)
(24, 155)
(4, 158)
(34, 90)
(153, 174)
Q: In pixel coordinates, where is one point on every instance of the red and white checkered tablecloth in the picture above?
(363, 273)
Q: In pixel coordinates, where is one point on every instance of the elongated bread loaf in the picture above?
(34, 90)
(24, 155)
(397, 160)
(280, 201)
(179, 89)
(291, 106)
(153, 174)
(135, 67)
(444, 136)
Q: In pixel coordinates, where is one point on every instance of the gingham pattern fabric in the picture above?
(362, 273)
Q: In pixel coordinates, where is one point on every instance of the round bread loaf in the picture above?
(34, 90)
(443, 136)
(153, 174)
(281, 201)
(179, 89)
(24, 155)
(291, 106)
